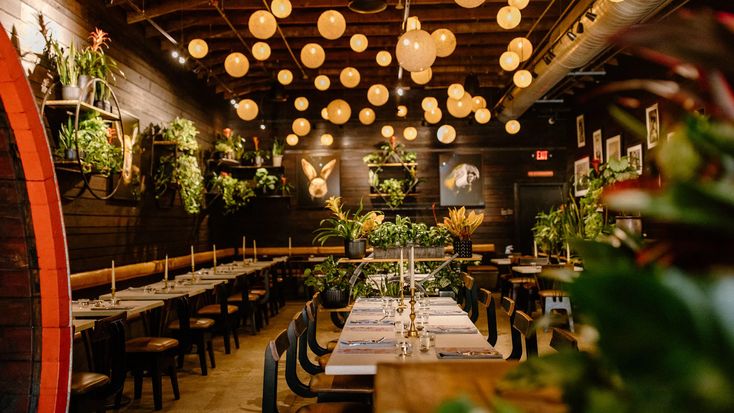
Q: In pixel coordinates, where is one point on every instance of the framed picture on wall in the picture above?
(634, 154)
(581, 176)
(460, 179)
(580, 131)
(318, 179)
(652, 119)
(614, 148)
(596, 139)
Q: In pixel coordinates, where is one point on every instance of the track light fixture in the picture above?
(571, 35)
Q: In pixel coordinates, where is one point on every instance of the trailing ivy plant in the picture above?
(183, 132)
(393, 190)
(181, 169)
(98, 155)
(236, 193)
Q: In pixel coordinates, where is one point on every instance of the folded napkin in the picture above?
(446, 312)
(452, 330)
(371, 322)
(468, 354)
(111, 308)
(367, 343)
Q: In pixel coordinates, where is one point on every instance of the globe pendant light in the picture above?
(261, 51)
(291, 139)
(512, 127)
(522, 47)
(469, 4)
(433, 116)
(384, 58)
(339, 111)
(410, 133)
(327, 139)
(325, 114)
(520, 4)
(445, 42)
(322, 82)
(509, 17)
(509, 61)
(247, 109)
(331, 24)
(198, 48)
(478, 102)
(262, 24)
(413, 23)
(301, 103)
(460, 108)
(429, 103)
(422, 77)
(377, 95)
(456, 91)
(349, 77)
(285, 77)
(367, 116)
(312, 55)
(281, 8)
(301, 127)
(358, 43)
(446, 134)
(387, 131)
(522, 78)
(236, 64)
(482, 115)
(415, 51)
(402, 111)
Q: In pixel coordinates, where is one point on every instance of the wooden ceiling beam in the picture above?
(164, 9)
(341, 5)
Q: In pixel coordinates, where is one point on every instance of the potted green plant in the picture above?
(548, 231)
(278, 151)
(462, 225)
(65, 63)
(67, 141)
(331, 281)
(393, 190)
(265, 182)
(352, 228)
(181, 170)
(257, 156)
(236, 193)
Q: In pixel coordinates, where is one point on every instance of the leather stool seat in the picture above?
(215, 309)
(150, 344)
(335, 408)
(195, 323)
(84, 382)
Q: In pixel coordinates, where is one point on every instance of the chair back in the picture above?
(523, 324)
(486, 300)
(563, 340)
(510, 309)
(108, 350)
(296, 329)
(313, 307)
(183, 312)
(303, 359)
(273, 354)
(470, 297)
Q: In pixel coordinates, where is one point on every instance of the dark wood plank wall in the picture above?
(155, 90)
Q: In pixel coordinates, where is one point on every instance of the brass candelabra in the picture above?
(114, 299)
(412, 330)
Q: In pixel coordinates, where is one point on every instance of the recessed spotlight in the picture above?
(232, 101)
(262, 126)
(174, 54)
(400, 91)
(181, 60)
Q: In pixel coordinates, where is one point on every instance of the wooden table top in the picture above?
(81, 324)
(422, 387)
(501, 261)
(138, 293)
(132, 307)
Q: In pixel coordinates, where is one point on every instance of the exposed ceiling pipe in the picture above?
(570, 54)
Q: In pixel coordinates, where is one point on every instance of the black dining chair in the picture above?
(225, 316)
(486, 300)
(192, 332)
(260, 297)
(470, 297)
(313, 343)
(523, 324)
(510, 310)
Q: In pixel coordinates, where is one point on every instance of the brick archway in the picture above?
(45, 241)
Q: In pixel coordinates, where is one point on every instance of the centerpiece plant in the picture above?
(352, 228)
(461, 226)
(389, 238)
(332, 281)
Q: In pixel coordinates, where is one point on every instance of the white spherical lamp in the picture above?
(261, 51)
(325, 114)
(312, 55)
(349, 77)
(387, 131)
(446, 134)
(469, 4)
(459, 108)
(281, 8)
(262, 24)
(433, 116)
(367, 116)
(509, 61)
(512, 127)
(327, 139)
(410, 133)
(445, 42)
(291, 139)
(322, 82)
(285, 77)
(522, 78)
(509, 17)
(422, 77)
(456, 91)
(301, 103)
(247, 109)
(429, 103)
(520, 4)
(402, 111)
(482, 116)
(358, 43)
(415, 50)
(331, 24)
(198, 48)
(384, 58)
(301, 127)
(339, 111)
(377, 95)
(236, 64)
(478, 102)
(522, 47)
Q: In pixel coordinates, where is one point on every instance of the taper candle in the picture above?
(193, 263)
(568, 252)
(402, 279)
(244, 248)
(214, 248)
(535, 249)
(412, 267)
(254, 250)
(290, 246)
(165, 270)
(113, 275)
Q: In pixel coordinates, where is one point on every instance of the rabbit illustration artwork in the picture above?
(462, 177)
(317, 183)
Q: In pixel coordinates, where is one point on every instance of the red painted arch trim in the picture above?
(48, 228)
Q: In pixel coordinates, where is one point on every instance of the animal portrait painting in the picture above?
(318, 179)
(460, 179)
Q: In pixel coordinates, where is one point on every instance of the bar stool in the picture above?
(552, 296)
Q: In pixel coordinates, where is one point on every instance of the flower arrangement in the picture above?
(345, 225)
(461, 225)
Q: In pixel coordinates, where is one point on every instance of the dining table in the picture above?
(101, 309)
(370, 337)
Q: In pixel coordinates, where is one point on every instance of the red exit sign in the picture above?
(541, 155)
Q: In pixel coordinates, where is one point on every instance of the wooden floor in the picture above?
(236, 384)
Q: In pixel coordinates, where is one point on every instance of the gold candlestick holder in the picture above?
(113, 299)
(401, 305)
(412, 330)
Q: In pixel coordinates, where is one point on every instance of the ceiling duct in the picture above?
(574, 52)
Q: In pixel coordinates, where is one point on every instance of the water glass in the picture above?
(83, 302)
(149, 289)
(422, 320)
(425, 342)
(403, 347)
(399, 327)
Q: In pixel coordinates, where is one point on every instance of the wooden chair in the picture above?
(563, 340)
(523, 324)
(246, 303)
(273, 354)
(260, 297)
(325, 387)
(487, 301)
(313, 343)
(154, 354)
(509, 307)
(190, 332)
(225, 316)
(470, 297)
(90, 390)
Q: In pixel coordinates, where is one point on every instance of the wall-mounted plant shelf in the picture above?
(70, 107)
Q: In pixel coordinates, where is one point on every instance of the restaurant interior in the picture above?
(450, 206)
